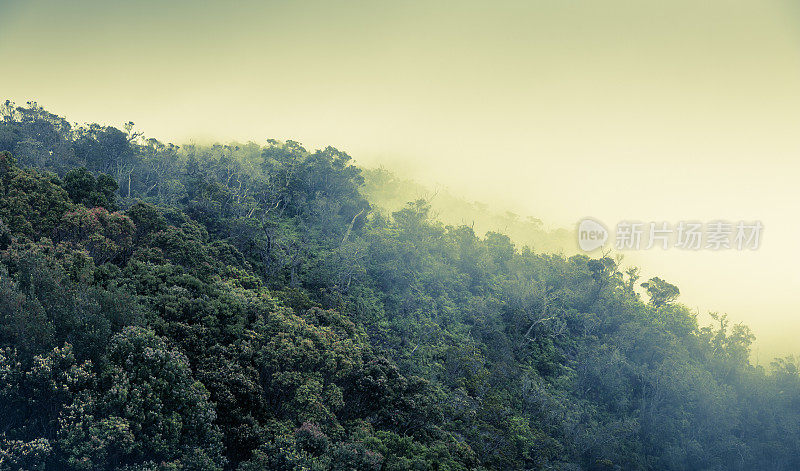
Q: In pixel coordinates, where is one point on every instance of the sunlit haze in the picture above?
(618, 110)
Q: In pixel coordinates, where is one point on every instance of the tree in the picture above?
(661, 292)
(84, 189)
(148, 410)
(105, 236)
(31, 203)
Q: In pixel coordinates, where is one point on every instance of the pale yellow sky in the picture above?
(613, 109)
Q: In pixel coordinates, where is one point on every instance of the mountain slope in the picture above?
(243, 307)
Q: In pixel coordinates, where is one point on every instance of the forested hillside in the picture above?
(245, 307)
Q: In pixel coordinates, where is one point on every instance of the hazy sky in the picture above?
(645, 110)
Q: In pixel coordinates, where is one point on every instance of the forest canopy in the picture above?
(247, 307)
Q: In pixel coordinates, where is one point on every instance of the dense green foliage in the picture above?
(246, 308)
